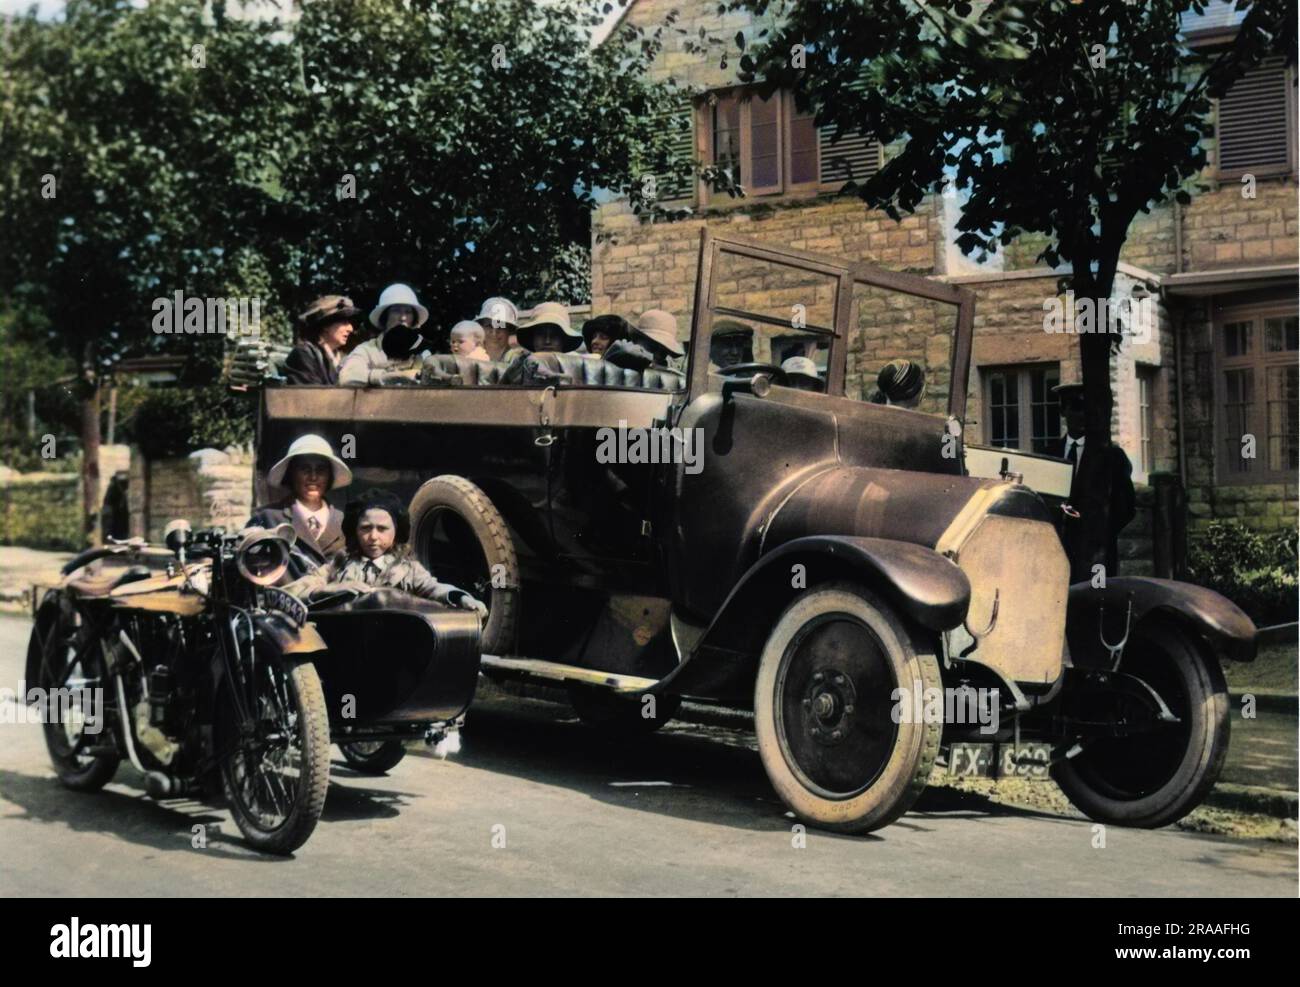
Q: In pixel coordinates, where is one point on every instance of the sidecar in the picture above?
(398, 668)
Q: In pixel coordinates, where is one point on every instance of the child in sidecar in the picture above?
(376, 528)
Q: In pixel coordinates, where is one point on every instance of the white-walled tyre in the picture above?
(824, 701)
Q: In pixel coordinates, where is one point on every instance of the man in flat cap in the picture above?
(1085, 543)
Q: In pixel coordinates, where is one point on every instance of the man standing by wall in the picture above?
(1084, 549)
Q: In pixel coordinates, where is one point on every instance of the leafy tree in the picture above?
(139, 169)
(458, 146)
(1057, 118)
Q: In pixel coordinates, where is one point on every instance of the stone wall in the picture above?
(41, 510)
(44, 509)
(208, 488)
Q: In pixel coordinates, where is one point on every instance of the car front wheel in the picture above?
(1157, 771)
(835, 735)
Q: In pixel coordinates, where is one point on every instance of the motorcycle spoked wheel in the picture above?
(65, 734)
(373, 757)
(276, 777)
(1154, 778)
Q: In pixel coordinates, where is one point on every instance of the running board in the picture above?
(557, 672)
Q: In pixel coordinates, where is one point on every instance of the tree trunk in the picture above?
(1092, 496)
(90, 458)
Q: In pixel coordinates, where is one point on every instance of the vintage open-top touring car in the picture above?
(643, 535)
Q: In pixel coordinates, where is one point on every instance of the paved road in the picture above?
(579, 816)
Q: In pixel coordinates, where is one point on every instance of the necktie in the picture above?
(313, 524)
(1072, 454)
(372, 571)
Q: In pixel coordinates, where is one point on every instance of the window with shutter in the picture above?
(854, 157)
(1254, 123)
(764, 145)
(681, 140)
(774, 147)
(802, 165)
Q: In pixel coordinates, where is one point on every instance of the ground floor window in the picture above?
(1257, 382)
(1146, 380)
(1020, 408)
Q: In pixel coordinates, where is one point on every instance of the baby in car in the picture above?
(376, 529)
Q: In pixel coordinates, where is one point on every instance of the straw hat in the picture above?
(500, 312)
(398, 294)
(310, 445)
(549, 314)
(660, 328)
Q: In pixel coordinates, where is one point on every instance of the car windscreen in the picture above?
(770, 313)
(896, 327)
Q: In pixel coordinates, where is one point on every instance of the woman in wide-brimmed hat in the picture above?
(656, 330)
(323, 331)
(389, 359)
(307, 472)
(549, 330)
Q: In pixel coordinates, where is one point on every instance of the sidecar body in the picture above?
(395, 664)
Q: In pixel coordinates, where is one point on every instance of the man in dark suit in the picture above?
(307, 472)
(1083, 543)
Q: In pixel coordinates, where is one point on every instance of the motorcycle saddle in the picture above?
(101, 583)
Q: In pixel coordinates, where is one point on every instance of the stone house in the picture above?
(1209, 394)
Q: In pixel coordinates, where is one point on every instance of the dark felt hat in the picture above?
(325, 311)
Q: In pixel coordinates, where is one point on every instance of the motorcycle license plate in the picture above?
(290, 606)
(1000, 760)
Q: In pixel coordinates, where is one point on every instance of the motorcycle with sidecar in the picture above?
(203, 674)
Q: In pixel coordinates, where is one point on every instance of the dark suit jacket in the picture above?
(308, 553)
(307, 363)
(1120, 510)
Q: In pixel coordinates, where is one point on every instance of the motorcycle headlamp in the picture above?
(263, 555)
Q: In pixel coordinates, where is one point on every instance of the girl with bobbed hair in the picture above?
(376, 528)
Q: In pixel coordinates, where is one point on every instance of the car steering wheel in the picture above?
(749, 369)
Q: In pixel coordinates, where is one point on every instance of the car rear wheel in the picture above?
(1156, 775)
(460, 536)
(824, 709)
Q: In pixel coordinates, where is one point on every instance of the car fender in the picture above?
(1214, 619)
(923, 585)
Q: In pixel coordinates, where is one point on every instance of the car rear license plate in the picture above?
(1000, 760)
